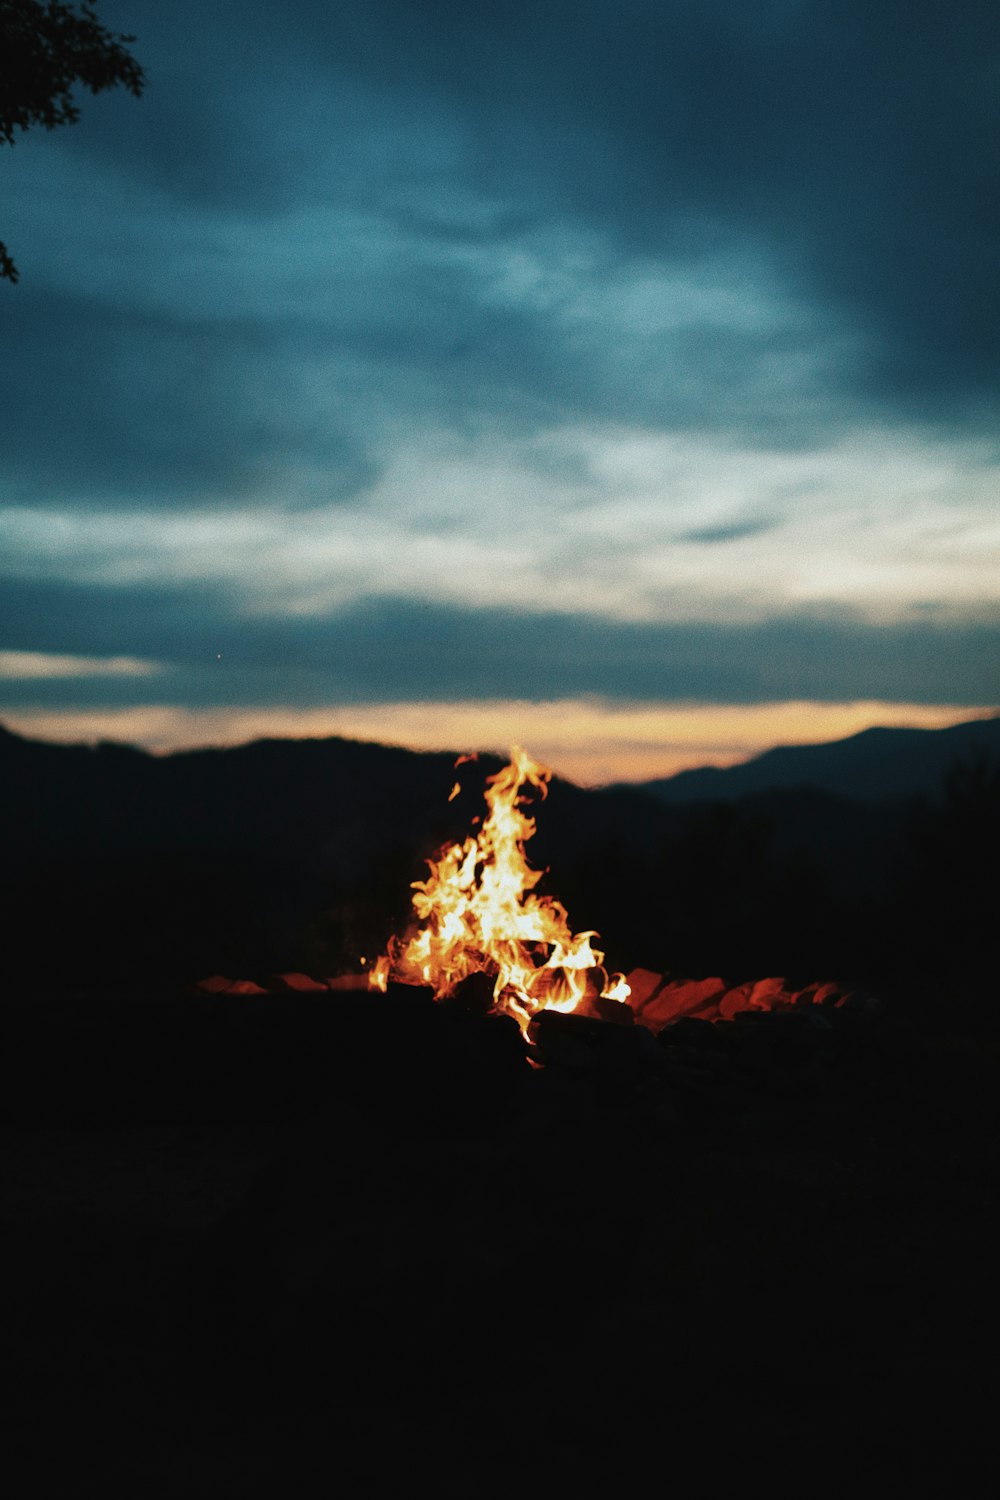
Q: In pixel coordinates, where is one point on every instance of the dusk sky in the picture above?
(622, 379)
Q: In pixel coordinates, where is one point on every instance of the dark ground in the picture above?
(301, 1246)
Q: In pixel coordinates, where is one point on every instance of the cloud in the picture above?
(625, 523)
(735, 531)
(130, 406)
(27, 666)
(398, 650)
(321, 224)
(847, 143)
(203, 382)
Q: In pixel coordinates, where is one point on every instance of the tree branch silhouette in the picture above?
(47, 49)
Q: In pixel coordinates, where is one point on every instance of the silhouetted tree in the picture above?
(46, 49)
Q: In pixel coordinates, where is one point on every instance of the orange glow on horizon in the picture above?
(590, 741)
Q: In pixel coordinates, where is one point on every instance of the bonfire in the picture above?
(478, 913)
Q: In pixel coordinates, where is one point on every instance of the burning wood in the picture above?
(478, 913)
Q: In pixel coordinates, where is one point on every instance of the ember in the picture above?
(478, 913)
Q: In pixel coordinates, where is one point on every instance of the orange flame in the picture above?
(478, 914)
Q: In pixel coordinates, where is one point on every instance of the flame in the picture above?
(478, 913)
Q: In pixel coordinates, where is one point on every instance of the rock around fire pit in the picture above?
(278, 1047)
(684, 1046)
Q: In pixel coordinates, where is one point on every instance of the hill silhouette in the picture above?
(124, 869)
(872, 766)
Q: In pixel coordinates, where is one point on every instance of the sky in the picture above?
(620, 378)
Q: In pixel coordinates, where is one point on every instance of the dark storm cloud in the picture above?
(857, 142)
(396, 650)
(118, 404)
(207, 129)
(182, 625)
(124, 404)
(851, 147)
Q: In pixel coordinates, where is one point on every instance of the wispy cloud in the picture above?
(28, 666)
(641, 525)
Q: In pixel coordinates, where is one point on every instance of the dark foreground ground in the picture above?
(312, 1247)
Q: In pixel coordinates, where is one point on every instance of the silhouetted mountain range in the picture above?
(872, 859)
(875, 765)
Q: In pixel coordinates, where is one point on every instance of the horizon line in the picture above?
(591, 743)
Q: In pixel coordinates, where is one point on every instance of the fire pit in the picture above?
(481, 928)
(485, 944)
(484, 941)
